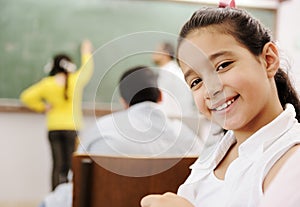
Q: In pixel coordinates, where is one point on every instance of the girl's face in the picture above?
(230, 85)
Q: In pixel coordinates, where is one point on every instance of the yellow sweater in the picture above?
(64, 114)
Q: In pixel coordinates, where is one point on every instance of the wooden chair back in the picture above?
(122, 181)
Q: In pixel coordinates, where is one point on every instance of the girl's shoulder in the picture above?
(44, 81)
(47, 79)
(278, 165)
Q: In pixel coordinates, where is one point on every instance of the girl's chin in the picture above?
(224, 123)
(220, 121)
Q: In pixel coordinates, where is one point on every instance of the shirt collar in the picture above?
(212, 159)
(267, 135)
(255, 144)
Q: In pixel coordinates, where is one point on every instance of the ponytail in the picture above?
(286, 92)
(62, 63)
(66, 86)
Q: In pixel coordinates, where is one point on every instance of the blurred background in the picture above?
(32, 31)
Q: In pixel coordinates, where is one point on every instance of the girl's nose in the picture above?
(213, 86)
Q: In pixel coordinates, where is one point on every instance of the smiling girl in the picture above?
(233, 68)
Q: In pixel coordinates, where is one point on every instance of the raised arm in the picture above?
(86, 47)
(87, 63)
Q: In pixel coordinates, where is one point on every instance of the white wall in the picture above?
(288, 33)
(24, 157)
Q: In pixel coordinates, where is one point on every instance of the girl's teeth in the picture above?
(225, 105)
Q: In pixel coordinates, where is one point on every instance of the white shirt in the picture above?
(141, 130)
(61, 197)
(242, 185)
(177, 99)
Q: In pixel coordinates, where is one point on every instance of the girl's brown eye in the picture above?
(223, 66)
(195, 82)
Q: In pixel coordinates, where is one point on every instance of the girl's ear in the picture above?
(271, 58)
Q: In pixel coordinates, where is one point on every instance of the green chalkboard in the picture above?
(124, 34)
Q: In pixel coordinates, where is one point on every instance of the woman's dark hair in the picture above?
(58, 68)
(169, 49)
(248, 31)
(139, 84)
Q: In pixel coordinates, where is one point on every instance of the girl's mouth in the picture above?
(225, 105)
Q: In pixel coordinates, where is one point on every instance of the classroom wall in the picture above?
(25, 159)
(25, 154)
(288, 32)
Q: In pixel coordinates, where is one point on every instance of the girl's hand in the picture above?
(86, 47)
(165, 200)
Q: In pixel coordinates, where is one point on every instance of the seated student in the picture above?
(171, 82)
(142, 129)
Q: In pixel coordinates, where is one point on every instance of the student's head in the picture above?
(164, 53)
(139, 84)
(62, 63)
(235, 72)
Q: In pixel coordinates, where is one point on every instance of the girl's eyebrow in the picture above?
(187, 74)
(218, 54)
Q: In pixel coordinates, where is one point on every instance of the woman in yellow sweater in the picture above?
(59, 96)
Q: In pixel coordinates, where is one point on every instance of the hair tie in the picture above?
(48, 67)
(227, 3)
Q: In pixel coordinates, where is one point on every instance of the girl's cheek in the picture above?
(200, 103)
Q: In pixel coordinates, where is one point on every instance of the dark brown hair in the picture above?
(57, 68)
(139, 84)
